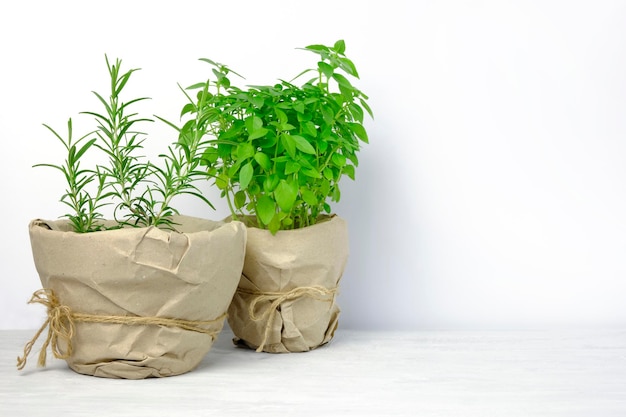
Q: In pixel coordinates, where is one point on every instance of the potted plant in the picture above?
(145, 294)
(279, 154)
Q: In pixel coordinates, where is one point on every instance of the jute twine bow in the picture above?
(316, 292)
(61, 326)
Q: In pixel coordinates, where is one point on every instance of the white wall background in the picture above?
(492, 194)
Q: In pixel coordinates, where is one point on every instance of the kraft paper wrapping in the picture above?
(191, 274)
(294, 264)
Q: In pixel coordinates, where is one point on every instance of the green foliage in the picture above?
(280, 150)
(84, 206)
(141, 191)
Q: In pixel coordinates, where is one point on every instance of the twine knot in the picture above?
(316, 292)
(61, 326)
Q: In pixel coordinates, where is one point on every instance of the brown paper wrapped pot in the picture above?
(187, 275)
(286, 299)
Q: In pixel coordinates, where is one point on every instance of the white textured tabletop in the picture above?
(360, 373)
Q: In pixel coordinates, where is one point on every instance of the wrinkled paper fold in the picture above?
(300, 262)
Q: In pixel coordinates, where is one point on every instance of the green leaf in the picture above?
(222, 80)
(196, 86)
(309, 128)
(254, 188)
(303, 145)
(356, 112)
(338, 159)
(309, 197)
(240, 199)
(210, 61)
(298, 106)
(328, 114)
(325, 187)
(322, 145)
(307, 161)
(263, 160)
(285, 195)
(325, 69)
(268, 141)
(281, 116)
(317, 47)
(348, 66)
(343, 81)
(209, 156)
(307, 114)
(70, 155)
(291, 167)
(244, 151)
(340, 46)
(265, 209)
(359, 131)
(346, 92)
(270, 183)
(82, 150)
(234, 131)
(245, 175)
(367, 108)
(336, 194)
(234, 169)
(354, 159)
(349, 171)
(258, 134)
(257, 101)
(221, 181)
(309, 172)
(289, 144)
(253, 123)
(255, 128)
(274, 224)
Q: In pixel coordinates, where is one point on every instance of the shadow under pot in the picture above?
(135, 302)
(286, 299)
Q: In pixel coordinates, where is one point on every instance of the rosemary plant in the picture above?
(141, 191)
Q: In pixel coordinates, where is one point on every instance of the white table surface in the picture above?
(360, 373)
